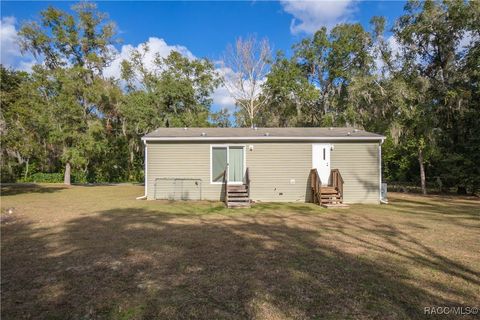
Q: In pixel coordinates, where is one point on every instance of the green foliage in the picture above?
(41, 177)
(422, 94)
(291, 96)
(174, 92)
(66, 113)
(220, 119)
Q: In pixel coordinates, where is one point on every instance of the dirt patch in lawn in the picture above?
(95, 253)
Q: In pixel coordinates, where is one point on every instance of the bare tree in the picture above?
(246, 65)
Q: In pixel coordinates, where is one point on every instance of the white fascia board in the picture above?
(380, 138)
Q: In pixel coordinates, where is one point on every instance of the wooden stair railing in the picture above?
(225, 184)
(316, 185)
(327, 195)
(247, 182)
(337, 182)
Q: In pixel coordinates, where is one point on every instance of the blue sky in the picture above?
(202, 29)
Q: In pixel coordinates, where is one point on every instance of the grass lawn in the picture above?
(97, 253)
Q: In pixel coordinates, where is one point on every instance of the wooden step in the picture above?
(239, 200)
(328, 190)
(334, 205)
(236, 195)
(238, 204)
(236, 186)
(330, 200)
(236, 189)
(329, 195)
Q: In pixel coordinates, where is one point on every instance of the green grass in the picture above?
(94, 252)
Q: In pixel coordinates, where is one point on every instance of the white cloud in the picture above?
(10, 55)
(8, 40)
(309, 16)
(155, 45)
(221, 97)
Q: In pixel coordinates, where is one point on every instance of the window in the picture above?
(323, 153)
(234, 157)
(219, 163)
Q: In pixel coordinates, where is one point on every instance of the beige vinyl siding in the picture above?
(358, 163)
(180, 160)
(278, 171)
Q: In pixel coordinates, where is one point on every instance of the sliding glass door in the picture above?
(235, 162)
(234, 157)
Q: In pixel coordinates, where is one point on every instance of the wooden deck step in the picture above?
(238, 196)
(328, 190)
(335, 205)
(239, 204)
(329, 196)
(236, 187)
(238, 200)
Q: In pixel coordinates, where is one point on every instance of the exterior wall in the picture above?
(279, 171)
(180, 160)
(359, 166)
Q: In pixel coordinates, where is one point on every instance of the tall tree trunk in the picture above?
(26, 169)
(422, 171)
(66, 178)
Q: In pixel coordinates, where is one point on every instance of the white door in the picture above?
(321, 160)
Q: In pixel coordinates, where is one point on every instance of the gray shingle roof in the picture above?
(260, 133)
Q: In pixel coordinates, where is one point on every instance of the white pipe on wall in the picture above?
(146, 172)
(380, 171)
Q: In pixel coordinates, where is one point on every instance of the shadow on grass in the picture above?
(455, 209)
(144, 264)
(10, 189)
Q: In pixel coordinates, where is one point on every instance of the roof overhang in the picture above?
(264, 138)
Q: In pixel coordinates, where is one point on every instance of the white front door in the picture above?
(321, 160)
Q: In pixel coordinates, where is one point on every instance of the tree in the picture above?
(173, 91)
(221, 118)
(246, 66)
(430, 33)
(19, 125)
(331, 61)
(74, 49)
(290, 97)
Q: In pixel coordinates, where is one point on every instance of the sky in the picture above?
(200, 29)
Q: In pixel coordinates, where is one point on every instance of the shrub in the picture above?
(43, 177)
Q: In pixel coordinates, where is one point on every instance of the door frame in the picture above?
(316, 155)
(228, 160)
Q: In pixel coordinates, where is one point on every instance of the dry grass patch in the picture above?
(96, 253)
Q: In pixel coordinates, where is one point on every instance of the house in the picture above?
(240, 165)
